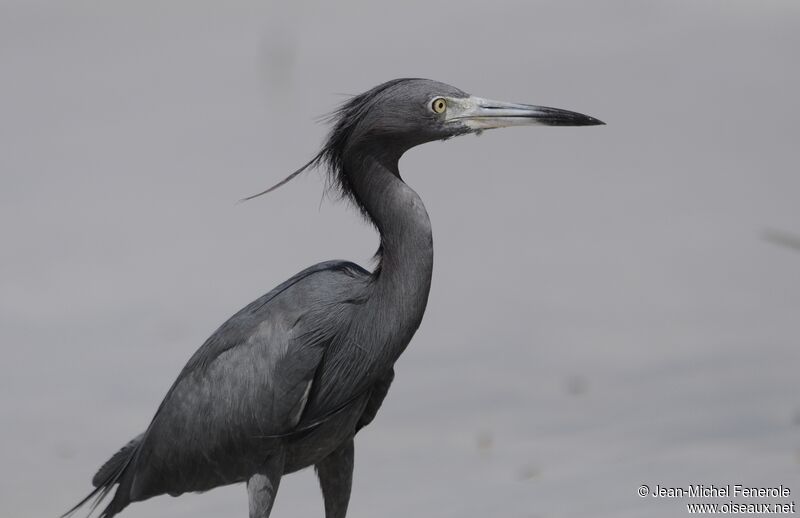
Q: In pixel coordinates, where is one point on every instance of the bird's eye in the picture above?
(439, 105)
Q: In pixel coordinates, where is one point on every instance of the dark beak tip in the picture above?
(591, 121)
(556, 117)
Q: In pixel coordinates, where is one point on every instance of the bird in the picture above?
(288, 381)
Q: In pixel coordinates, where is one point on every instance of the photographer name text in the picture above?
(718, 491)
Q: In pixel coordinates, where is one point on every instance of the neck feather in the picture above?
(402, 280)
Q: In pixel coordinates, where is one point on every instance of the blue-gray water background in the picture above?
(606, 310)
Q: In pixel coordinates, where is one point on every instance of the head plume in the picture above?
(344, 121)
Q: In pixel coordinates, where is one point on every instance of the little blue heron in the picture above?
(289, 380)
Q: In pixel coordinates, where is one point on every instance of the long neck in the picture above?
(402, 280)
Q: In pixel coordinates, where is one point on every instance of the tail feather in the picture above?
(113, 464)
(110, 474)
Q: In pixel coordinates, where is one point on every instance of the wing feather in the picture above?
(247, 386)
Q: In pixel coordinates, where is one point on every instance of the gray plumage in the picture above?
(288, 381)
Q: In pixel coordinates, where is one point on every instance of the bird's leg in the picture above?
(263, 485)
(335, 478)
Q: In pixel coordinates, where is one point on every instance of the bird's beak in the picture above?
(480, 114)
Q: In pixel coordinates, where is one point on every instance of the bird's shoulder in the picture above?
(286, 309)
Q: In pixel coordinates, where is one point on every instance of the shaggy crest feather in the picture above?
(331, 157)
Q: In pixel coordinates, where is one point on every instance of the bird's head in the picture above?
(391, 118)
(400, 114)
